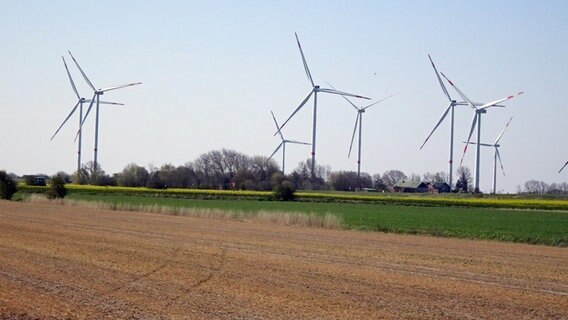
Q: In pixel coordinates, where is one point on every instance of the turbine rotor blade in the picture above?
(85, 117)
(276, 150)
(64, 121)
(107, 102)
(500, 162)
(501, 134)
(304, 61)
(342, 93)
(473, 124)
(383, 99)
(71, 79)
(351, 103)
(471, 104)
(494, 103)
(481, 144)
(437, 125)
(298, 142)
(83, 73)
(297, 109)
(353, 136)
(440, 79)
(89, 109)
(277, 127)
(564, 166)
(119, 87)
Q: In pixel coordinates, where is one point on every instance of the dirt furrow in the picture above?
(70, 262)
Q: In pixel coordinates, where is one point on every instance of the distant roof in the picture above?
(410, 184)
(438, 185)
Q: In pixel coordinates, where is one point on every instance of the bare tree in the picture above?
(301, 176)
(536, 186)
(464, 182)
(133, 175)
(89, 174)
(436, 177)
(349, 181)
(391, 177)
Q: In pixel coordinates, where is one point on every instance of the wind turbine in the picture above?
(564, 166)
(450, 107)
(97, 93)
(79, 104)
(282, 144)
(359, 121)
(476, 121)
(315, 89)
(497, 156)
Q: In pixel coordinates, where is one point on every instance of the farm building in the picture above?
(410, 186)
(36, 180)
(438, 187)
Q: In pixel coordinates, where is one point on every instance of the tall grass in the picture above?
(302, 219)
(528, 226)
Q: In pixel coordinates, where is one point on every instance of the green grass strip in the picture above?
(430, 200)
(524, 226)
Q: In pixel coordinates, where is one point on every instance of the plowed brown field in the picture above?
(70, 262)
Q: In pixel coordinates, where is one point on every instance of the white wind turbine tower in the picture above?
(476, 121)
(79, 104)
(564, 166)
(97, 93)
(314, 91)
(282, 144)
(496, 156)
(450, 107)
(359, 121)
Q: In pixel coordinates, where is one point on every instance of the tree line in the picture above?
(541, 187)
(231, 170)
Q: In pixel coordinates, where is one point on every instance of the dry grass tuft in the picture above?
(311, 220)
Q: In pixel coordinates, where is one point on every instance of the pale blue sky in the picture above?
(212, 71)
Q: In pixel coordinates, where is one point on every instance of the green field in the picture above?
(527, 226)
(413, 199)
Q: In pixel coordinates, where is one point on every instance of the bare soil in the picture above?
(69, 262)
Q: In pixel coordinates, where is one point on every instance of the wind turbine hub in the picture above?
(82, 100)
(361, 110)
(481, 111)
(316, 87)
(99, 92)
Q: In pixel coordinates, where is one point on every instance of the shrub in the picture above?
(7, 186)
(155, 181)
(57, 188)
(285, 191)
